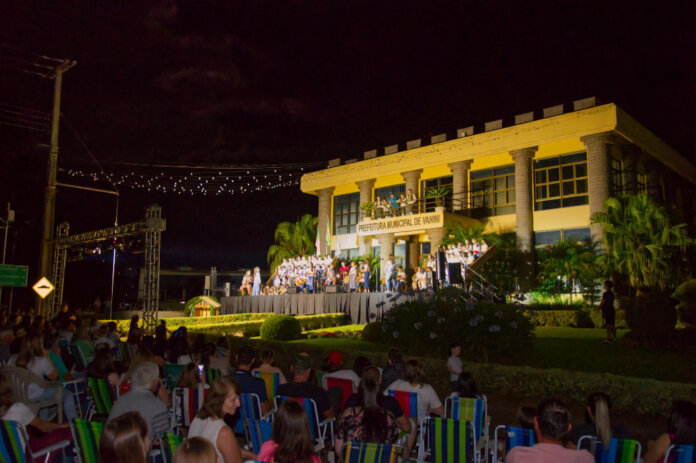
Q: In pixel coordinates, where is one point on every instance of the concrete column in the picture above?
(365, 187)
(631, 154)
(524, 226)
(435, 235)
(412, 179)
(386, 249)
(324, 217)
(598, 149)
(460, 184)
(412, 252)
(365, 245)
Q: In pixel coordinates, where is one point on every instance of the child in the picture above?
(454, 364)
(267, 366)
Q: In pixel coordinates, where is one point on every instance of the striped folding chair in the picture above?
(514, 436)
(86, 435)
(450, 441)
(346, 385)
(474, 410)
(363, 452)
(185, 403)
(211, 374)
(259, 431)
(172, 372)
(317, 427)
(680, 454)
(272, 380)
(78, 357)
(409, 404)
(619, 451)
(249, 409)
(14, 446)
(124, 352)
(169, 443)
(101, 397)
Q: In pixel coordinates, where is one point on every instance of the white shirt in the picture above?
(344, 374)
(20, 413)
(41, 367)
(209, 429)
(108, 341)
(389, 267)
(427, 397)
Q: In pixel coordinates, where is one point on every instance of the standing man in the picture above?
(410, 201)
(441, 266)
(608, 311)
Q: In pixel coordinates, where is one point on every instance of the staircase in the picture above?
(478, 287)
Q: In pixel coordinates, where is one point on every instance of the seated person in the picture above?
(142, 398)
(551, 425)
(597, 421)
(300, 386)
(414, 381)
(681, 430)
(267, 357)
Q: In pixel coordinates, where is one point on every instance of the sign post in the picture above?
(13, 275)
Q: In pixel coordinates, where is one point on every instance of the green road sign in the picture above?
(13, 275)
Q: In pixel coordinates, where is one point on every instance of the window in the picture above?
(493, 191)
(642, 183)
(425, 248)
(384, 192)
(434, 183)
(560, 181)
(349, 254)
(547, 238)
(616, 169)
(346, 213)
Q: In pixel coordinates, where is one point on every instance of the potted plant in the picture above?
(438, 193)
(367, 208)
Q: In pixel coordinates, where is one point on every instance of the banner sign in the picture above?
(404, 223)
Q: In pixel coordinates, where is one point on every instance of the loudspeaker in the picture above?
(293, 290)
(330, 289)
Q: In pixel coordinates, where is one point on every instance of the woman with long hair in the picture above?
(190, 377)
(33, 357)
(367, 422)
(195, 450)
(465, 386)
(222, 399)
(102, 366)
(292, 438)
(681, 430)
(11, 410)
(414, 381)
(124, 440)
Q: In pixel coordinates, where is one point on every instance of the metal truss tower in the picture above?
(155, 224)
(151, 228)
(60, 260)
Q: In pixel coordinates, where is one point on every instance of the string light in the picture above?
(246, 178)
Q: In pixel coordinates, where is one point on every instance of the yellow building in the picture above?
(540, 178)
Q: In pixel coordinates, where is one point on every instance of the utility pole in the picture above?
(7, 221)
(50, 194)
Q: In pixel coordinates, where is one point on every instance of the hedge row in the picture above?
(247, 325)
(629, 395)
(576, 318)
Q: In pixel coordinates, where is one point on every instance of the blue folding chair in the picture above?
(514, 437)
(14, 445)
(680, 454)
(363, 452)
(619, 450)
(318, 428)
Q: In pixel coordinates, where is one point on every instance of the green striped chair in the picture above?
(170, 442)
(451, 441)
(680, 454)
(14, 448)
(86, 435)
(619, 451)
(363, 452)
(101, 397)
(124, 352)
(211, 374)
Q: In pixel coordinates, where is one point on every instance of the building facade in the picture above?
(542, 179)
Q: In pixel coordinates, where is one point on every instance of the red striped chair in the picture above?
(185, 403)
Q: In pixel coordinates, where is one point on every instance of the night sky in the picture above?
(253, 82)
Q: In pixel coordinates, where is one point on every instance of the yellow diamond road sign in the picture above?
(43, 287)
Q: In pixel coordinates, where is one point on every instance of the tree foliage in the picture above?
(642, 243)
(293, 239)
(568, 265)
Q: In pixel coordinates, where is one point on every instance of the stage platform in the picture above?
(362, 307)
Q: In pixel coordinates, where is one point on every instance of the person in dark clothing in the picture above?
(301, 387)
(395, 369)
(608, 312)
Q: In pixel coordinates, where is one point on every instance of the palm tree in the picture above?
(293, 239)
(642, 243)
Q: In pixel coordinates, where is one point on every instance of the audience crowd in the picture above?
(356, 399)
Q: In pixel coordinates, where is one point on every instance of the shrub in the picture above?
(486, 331)
(566, 318)
(598, 322)
(281, 328)
(651, 319)
(686, 295)
(372, 332)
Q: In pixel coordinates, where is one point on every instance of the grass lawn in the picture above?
(579, 349)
